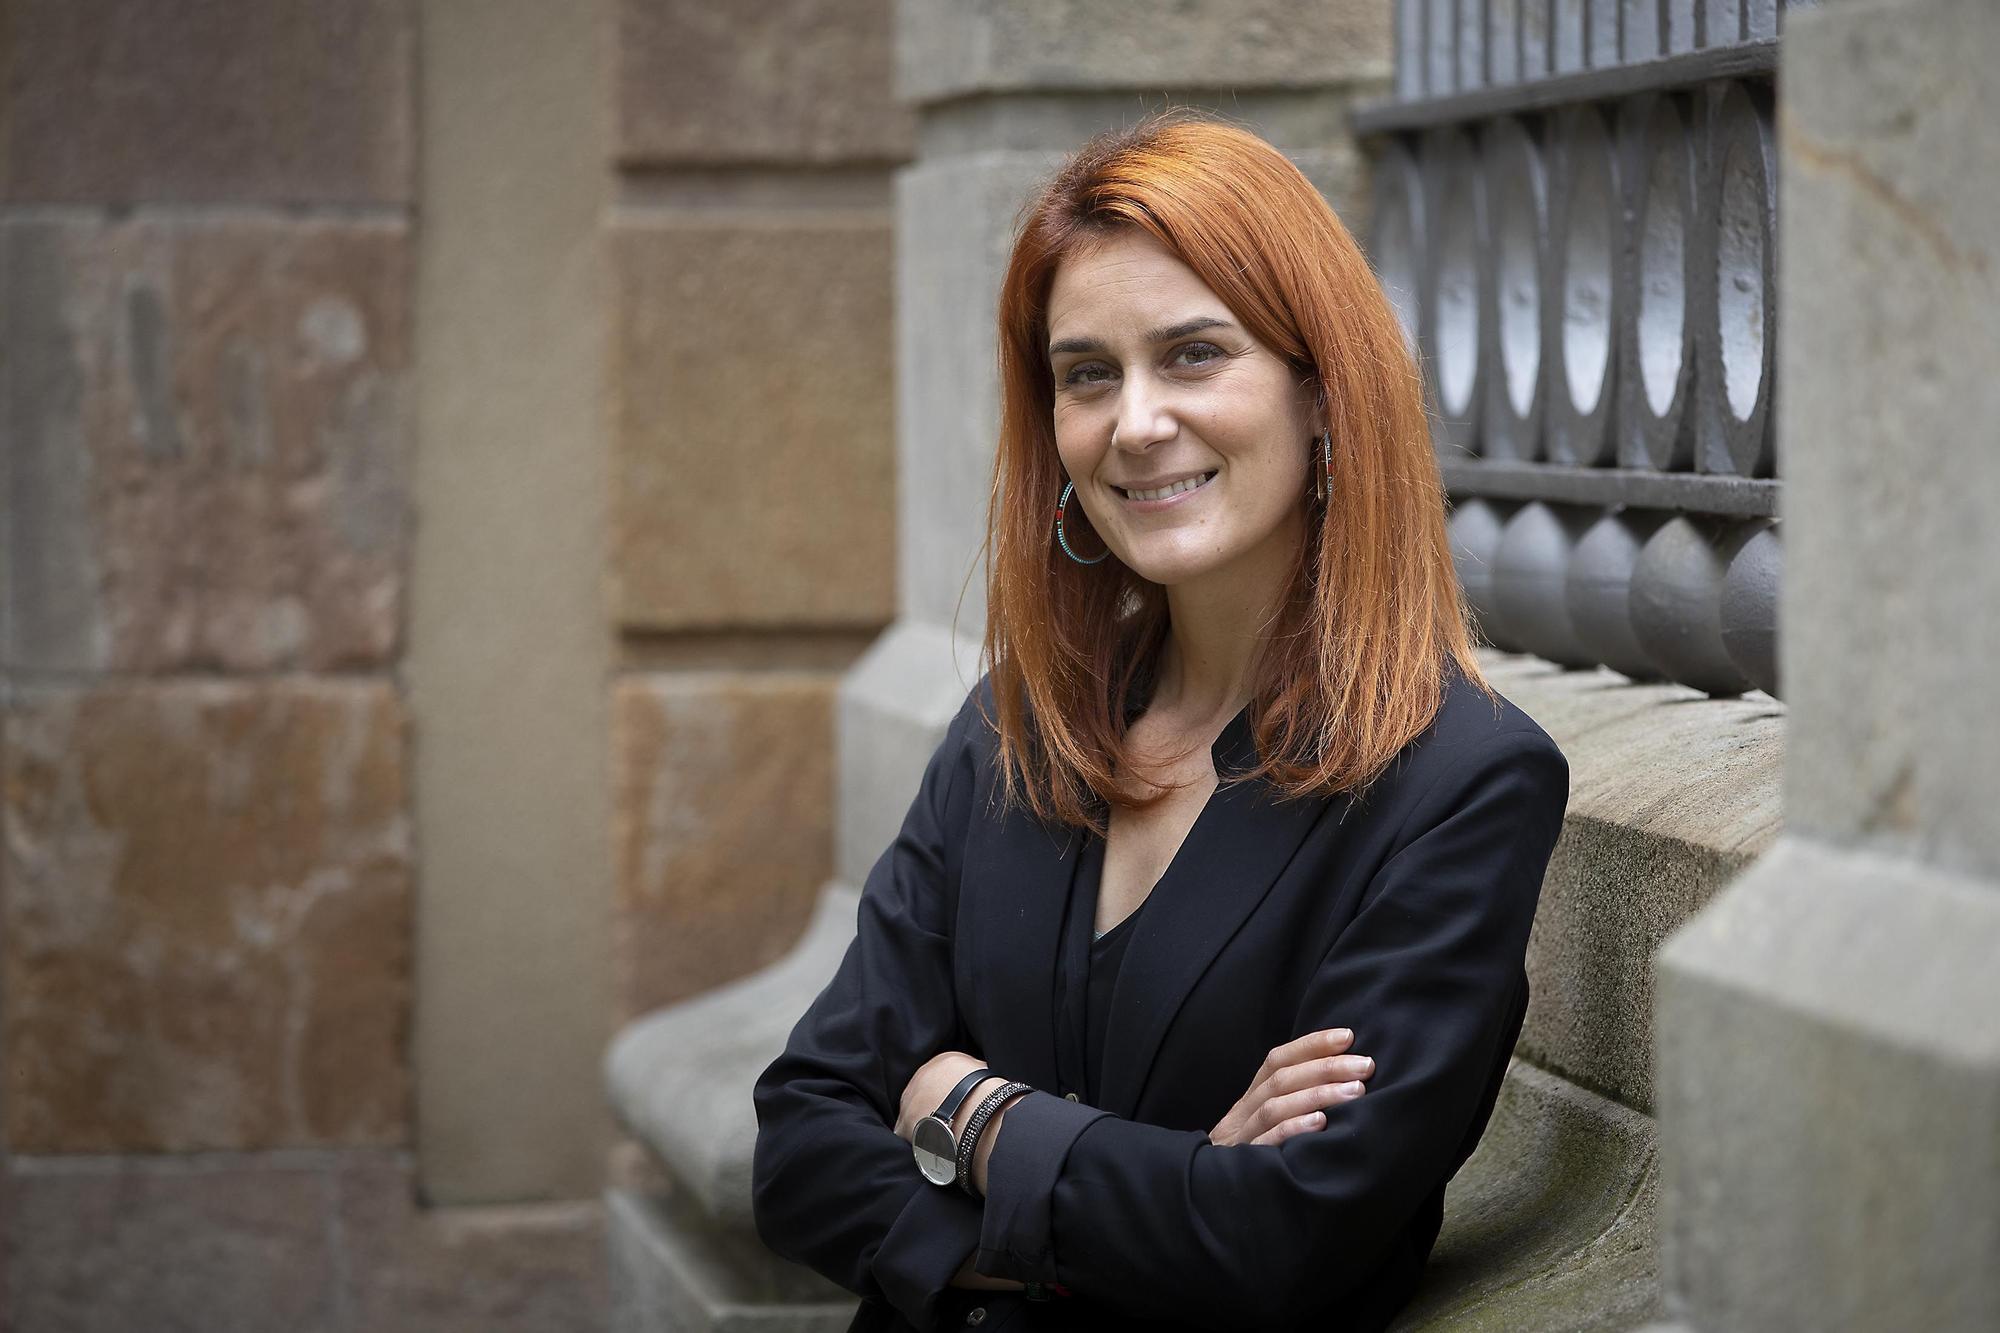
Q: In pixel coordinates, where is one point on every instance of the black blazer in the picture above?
(1404, 916)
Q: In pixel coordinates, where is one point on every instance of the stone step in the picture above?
(673, 1270)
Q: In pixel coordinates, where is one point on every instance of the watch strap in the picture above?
(949, 1106)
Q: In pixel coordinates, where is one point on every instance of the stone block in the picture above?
(987, 46)
(1671, 796)
(205, 941)
(782, 81)
(1829, 1034)
(210, 440)
(320, 1242)
(1889, 259)
(724, 826)
(753, 367)
(120, 102)
(107, 1245)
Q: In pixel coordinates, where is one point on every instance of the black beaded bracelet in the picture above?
(970, 1143)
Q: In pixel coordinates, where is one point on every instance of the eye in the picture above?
(1084, 373)
(1210, 349)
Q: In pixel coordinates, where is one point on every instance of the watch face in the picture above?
(936, 1150)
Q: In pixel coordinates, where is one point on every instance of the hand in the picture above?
(932, 1083)
(1295, 1080)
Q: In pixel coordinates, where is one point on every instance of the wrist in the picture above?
(988, 1136)
(979, 1093)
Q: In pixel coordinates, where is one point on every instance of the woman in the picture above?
(1201, 948)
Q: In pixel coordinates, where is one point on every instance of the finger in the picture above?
(1313, 1073)
(1307, 1100)
(1314, 1045)
(1342, 1068)
(1285, 1129)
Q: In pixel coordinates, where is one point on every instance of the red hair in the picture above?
(1354, 664)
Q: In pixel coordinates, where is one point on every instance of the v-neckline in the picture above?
(1159, 955)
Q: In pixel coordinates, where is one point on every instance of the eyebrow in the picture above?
(1161, 335)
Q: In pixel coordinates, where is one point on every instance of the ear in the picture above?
(1312, 402)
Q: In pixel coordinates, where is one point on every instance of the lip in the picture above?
(1149, 506)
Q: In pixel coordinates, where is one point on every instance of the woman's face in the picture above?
(1156, 383)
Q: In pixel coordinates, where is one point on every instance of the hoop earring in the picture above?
(1323, 484)
(1062, 540)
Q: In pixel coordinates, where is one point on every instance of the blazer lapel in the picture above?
(1018, 921)
(1239, 845)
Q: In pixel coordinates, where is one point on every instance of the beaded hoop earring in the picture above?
(1062, 540)
(1324, 482)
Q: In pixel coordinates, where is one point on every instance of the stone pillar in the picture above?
(1829, 1029)
(508, 655)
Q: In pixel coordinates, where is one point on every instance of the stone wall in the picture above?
(750, 380)
(208, 832)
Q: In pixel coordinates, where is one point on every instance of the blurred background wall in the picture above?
(448, 467)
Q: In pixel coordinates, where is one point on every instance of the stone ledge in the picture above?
(1672, 794)
(1549, 1225)
(680, 1079)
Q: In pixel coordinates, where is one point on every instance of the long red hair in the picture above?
(1354, 665)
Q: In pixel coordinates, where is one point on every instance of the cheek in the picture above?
(1077, 446)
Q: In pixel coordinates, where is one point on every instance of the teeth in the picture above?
(1174, 489)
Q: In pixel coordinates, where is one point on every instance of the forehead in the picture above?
(1125, 276)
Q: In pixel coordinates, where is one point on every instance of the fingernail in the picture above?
(1343, 1034)
(1355, 1086)
(1368, 1063)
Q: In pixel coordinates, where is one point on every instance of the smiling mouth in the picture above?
(1179, 487)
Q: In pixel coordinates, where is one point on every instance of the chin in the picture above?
(1168, 570)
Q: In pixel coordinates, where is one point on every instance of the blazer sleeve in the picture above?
(1160, 1222)
(832, 1185)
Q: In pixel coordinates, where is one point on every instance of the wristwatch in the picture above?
(934, 1142)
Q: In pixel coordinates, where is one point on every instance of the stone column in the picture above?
(508, 655)
(1829, 1029)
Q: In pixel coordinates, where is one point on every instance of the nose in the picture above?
(1143, 417)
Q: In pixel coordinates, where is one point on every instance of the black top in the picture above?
(1107, 951)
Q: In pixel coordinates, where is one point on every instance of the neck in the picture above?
(1218, 626)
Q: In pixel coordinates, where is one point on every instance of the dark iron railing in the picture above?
(1575, 208)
